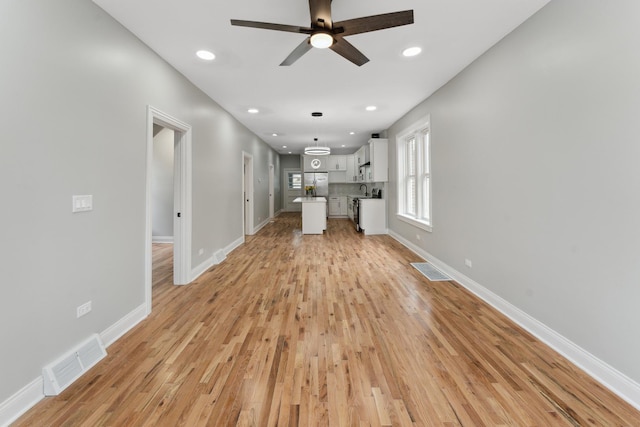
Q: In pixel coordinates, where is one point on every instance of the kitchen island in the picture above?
(314, 214)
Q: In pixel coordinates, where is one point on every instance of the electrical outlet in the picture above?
(81, 203)
(83, 309)
(468, 263)
(417, 237)
(201, 251)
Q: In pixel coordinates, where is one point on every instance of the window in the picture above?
(414, 175)
(294, 180)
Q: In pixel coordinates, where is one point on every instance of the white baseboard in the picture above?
(32, 393)
(21, 402)
(124, 325)
(614, 380)
(162, 239)
(261, 225)
(211, 261)
(233, 245)
(202, 267)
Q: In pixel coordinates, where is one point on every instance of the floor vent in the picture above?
(430, 272)
(61, 373)
(219, 256)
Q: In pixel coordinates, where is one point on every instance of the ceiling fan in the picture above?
(324, 33)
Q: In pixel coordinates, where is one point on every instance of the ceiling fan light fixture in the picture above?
(321, 40)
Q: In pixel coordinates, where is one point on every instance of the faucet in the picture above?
(365, 189)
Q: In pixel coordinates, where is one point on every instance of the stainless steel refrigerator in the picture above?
(320, 180)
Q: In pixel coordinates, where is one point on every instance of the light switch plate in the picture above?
(82, 203)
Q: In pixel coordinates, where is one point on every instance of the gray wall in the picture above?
(291, 161)
(536, 178)
(74, 88)
(162, 183)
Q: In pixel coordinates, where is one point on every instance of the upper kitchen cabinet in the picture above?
(352, 169)
(379, 159)
(315, 163)
(337, 166)
(337, 163)
(362, 155)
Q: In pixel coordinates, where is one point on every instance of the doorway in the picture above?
(181, 199)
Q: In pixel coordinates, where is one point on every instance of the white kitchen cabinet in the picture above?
(314, 214)
(337, 163)
(379, 160)
(373, 216)
(315, 163)
(334, 206)
(352, 169)
(337, 166)
(338, 206)
(363, 173)
(343, 206)
(362, 155)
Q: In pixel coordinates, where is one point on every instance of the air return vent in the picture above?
(61, 373)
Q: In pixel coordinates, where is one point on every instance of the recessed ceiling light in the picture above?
(371, 108)
(284, 146)
(253, 111)
(274, 134)
(343, 145)
(412, 51)
(352, 133)
(205, 55)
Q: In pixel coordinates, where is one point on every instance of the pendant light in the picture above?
(317, 150)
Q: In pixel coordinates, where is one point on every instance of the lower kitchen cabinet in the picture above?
(338, 206)
(373, 216)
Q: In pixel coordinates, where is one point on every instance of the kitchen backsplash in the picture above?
(348, 189)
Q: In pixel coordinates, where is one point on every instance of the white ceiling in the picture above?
(246, 71)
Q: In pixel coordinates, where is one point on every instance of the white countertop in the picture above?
(310, 200)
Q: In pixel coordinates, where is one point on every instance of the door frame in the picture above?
(271, 191)
(181, 202)
(247, 193)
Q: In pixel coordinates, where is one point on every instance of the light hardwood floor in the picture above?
(334, 330)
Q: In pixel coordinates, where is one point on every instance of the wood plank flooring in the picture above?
(331, 330)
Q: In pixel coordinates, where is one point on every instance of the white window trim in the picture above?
(418, 127)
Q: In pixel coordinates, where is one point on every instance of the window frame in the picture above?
(420, 132)
(290, 181)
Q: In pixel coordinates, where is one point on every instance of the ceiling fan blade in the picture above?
(320, 10)
(348, 51)
(297, 53)
(270, 26)
(373, 23)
